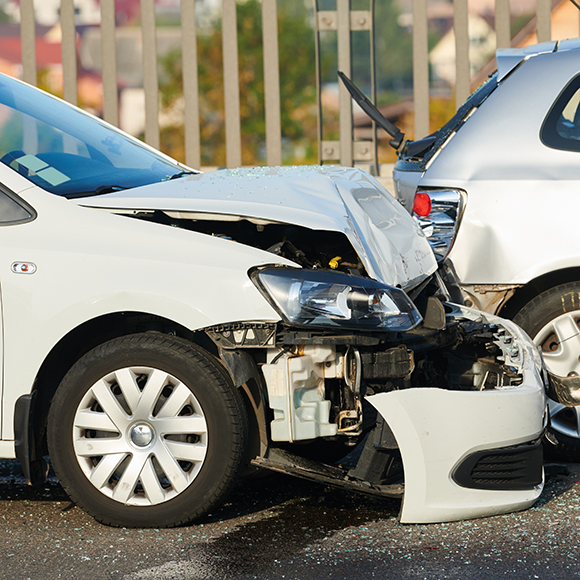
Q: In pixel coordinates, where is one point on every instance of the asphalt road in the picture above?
(278, 527)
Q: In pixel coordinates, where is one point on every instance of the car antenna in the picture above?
(575, 4)
(397, 135)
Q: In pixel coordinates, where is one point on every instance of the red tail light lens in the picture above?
(422, 204)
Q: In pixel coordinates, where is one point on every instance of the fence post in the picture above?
(231, 84)
(544, 24)
(462, 74)
(150, 82)
(271, 83)
(344, 65)
(190, 83)
(420, 69)
(69, 51)
(502, 23)
(28, 41)
(109, 62)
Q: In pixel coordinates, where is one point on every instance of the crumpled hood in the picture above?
(342, 199)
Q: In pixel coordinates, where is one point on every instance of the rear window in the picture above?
(561, 129)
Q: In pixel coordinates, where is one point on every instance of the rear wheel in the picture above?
(552, 319)
(147, 431)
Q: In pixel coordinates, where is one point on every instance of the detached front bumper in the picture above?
(441, 435)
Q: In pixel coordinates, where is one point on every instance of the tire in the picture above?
(552, 319)
(147, 431)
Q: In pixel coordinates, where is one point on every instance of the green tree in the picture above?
(297, 87)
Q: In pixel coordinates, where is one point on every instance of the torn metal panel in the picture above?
(488, 297)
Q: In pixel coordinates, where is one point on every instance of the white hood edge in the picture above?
(342, 199)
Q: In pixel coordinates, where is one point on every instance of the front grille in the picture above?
(509, 468)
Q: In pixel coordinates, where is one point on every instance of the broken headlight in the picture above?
(333, 299)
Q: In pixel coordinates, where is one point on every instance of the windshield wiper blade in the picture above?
(101, 190)
(182, 174)
(370, 109)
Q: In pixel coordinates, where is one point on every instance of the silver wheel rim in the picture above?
(560, 343)
(140, 436)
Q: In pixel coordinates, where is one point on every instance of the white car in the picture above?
(164, 331)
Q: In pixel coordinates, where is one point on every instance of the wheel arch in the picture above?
(31, 411)
(535, 287)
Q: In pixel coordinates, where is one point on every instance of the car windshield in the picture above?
(68, 152)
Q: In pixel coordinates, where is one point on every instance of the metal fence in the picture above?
(342, 19)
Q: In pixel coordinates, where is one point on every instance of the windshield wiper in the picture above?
(101, 190)
(397, 135)
(182, 174)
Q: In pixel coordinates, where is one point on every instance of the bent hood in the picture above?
(341, 199)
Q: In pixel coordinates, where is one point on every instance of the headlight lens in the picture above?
(332, 299)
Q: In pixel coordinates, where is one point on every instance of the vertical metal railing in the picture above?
(109, 62)
(190, 83)
(271, 83)
(231, 84)
(150, 81)
(460, 27)
(420, 68)
(543, 27)
(69, 51)
(343, 20)
(28, 41)
(502, 23)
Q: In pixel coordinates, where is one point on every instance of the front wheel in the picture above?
(552, 319)
(147, 431)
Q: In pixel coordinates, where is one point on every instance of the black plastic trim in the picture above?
(513, 468)
(19, 201)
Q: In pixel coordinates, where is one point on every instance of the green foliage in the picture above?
(297, 87)
(296, 38)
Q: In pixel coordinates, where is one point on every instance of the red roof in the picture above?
(47, 53)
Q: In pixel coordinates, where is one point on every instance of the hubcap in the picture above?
(560, 343)
(140, 436)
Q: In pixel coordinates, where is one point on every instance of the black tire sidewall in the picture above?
(532, 318)
(221, 405)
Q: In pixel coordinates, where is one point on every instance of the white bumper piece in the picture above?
(437, 429)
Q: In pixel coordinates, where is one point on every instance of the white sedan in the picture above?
(164, 332)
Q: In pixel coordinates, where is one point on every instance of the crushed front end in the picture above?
(363, 388)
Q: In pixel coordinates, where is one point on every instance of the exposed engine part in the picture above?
(296, 392)
(316, 382)
(394, 363)
(318, 249)
(353, 369)
(349, 422)
(309, 337)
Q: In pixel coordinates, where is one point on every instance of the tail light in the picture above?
(441, 224)
(422, 204)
